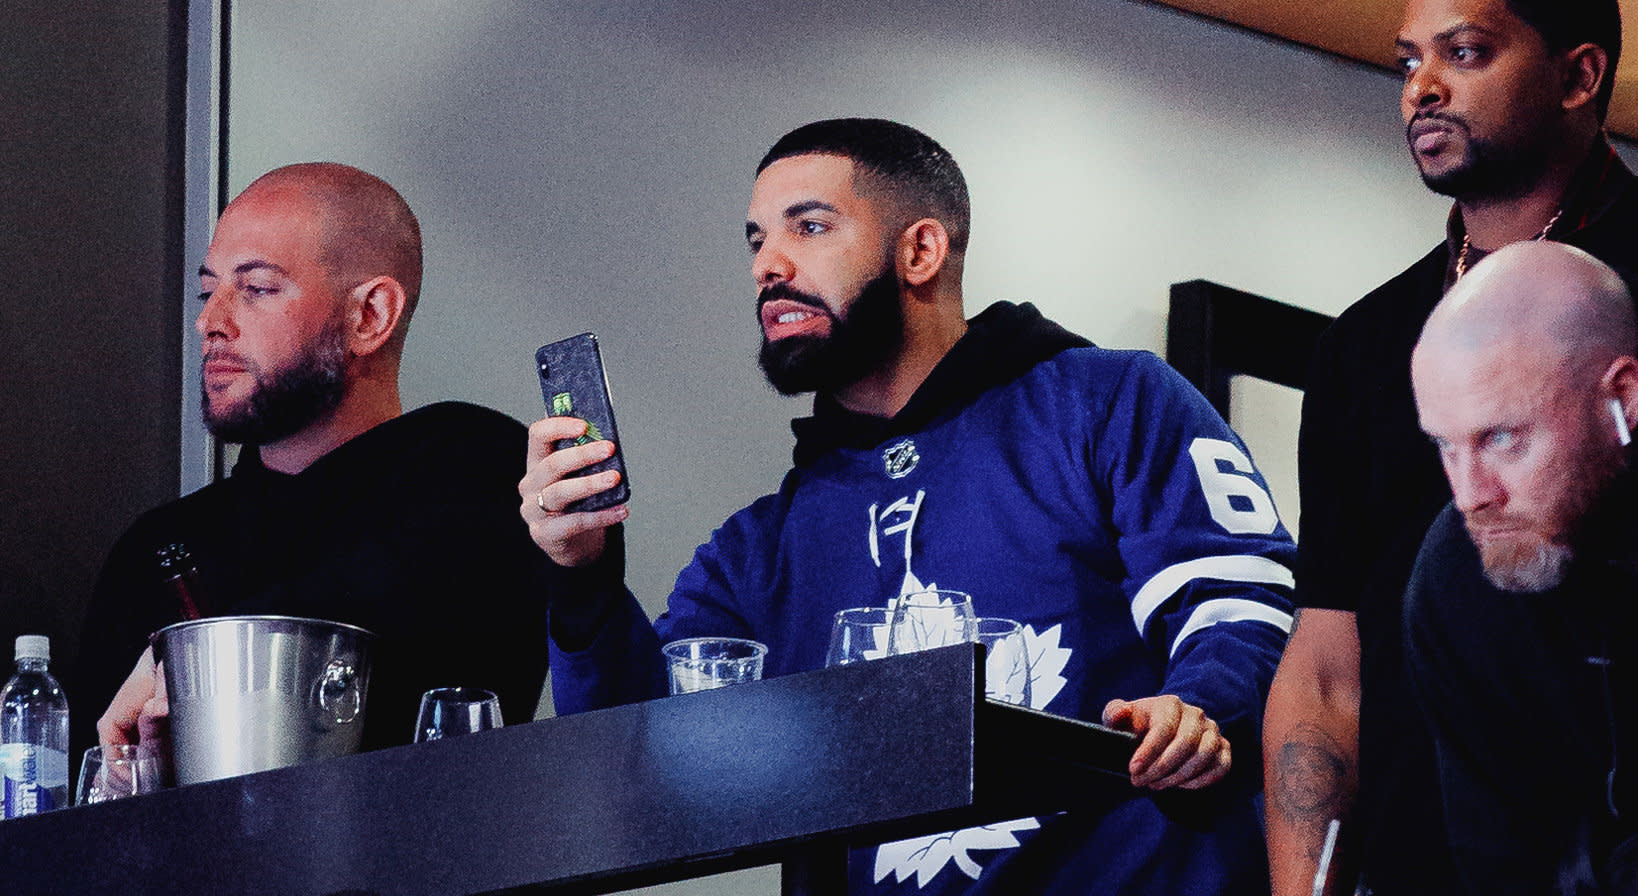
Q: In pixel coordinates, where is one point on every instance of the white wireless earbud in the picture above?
(1620, 415)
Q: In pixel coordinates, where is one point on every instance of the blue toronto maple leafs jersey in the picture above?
(1099, 500)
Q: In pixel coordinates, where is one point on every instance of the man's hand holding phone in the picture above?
(549, 487)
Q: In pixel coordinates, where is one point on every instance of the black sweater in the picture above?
(410, 530)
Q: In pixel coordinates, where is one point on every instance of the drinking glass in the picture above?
(1006, 659)
(858, 634)
(923, 620)
(448, 712)
(115, 771)
(702, 664)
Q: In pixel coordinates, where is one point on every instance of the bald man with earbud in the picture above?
(1519, 616)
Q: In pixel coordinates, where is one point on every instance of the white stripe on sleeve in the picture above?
(1231, 609)
(1247, 568)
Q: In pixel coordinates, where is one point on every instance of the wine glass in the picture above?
(1006, 659)
(923, 620)
(447, 712)
(114, 771)
(858, 634)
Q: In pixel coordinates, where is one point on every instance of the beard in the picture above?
(1532, 562)
(1527, 565)
(1488, 169)
(862, 339)
(287, 400)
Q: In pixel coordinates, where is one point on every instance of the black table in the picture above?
(790, 770)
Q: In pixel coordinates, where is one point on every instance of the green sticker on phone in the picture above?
(563, 405)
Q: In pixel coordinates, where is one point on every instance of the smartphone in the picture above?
(574, 384)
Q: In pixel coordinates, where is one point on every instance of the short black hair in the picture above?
(920, 176)
(1567, 24)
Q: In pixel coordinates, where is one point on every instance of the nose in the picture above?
(1472, 484)
(216, 319)
(1425, 89)
(771, 264)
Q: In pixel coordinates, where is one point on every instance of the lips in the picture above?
(783, 318)
(219, 368)
(1430, 136)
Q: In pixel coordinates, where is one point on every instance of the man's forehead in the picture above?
(1491, 383)
(1429, 18)
(281, 224)
(795, 179)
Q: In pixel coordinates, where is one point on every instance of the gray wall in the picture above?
(90, 269)
(586, 166)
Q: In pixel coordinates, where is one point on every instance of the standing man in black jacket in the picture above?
(1504, 102)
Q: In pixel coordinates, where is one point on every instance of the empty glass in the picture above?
(923, 620)
(116, 771)
(1006, 659)
(858, 634)
(701, 664)
(448, 712)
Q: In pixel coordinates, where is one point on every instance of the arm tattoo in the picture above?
(1313, 783)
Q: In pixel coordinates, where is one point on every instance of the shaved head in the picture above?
(307, 285)
(1541, 297)
(1526, 381)
(366, 229)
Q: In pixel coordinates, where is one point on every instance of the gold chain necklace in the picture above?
(1461, 258)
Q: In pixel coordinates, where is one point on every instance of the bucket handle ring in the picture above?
(337, 692)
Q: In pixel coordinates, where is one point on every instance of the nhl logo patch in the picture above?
(900, 459)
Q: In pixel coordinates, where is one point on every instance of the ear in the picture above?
(1588, 67)
(374, 308)
(1620, 384)
(923, 248)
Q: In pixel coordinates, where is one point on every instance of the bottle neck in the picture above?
(30, 664)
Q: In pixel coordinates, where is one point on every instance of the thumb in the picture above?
(153, 725)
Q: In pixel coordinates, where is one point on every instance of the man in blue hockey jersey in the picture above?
(1093, 495)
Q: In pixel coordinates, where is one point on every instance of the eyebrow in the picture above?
(1445, 36)
(809, 205)
(795, 209)
(247, 267)
(1448, 33)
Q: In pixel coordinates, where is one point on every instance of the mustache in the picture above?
(1483, 519)
(222, 354)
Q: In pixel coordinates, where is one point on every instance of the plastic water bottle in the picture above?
(33, 733)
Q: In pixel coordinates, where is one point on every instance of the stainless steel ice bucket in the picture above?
(250, 693)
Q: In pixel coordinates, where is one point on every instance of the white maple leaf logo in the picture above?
(1046, 665)
(924, 857)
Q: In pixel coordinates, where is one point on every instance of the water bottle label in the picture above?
(29, 774)
(51, 768)
(27, 799)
